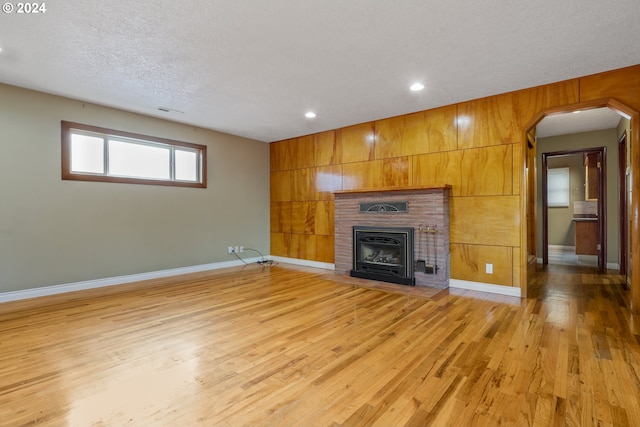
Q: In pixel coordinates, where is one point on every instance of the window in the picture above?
(91, 153)
(558, 187)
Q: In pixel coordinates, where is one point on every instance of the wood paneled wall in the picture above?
(475, 146)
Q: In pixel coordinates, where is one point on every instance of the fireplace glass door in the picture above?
(383, 253)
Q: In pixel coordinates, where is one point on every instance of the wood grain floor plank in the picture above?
(286, 345)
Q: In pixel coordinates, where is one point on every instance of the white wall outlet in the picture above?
(236, 249)
(489, 268)
(241, 249)
(230, 249)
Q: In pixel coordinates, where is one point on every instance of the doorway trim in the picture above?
(634, 231)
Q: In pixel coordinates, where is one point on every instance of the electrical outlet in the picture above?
(230, 249)
(236, 249)
(241, 249)
(489, 269)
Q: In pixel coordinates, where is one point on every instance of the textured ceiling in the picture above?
(253, 68)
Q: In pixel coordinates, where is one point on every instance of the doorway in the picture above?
(633, 180)
(579, 194)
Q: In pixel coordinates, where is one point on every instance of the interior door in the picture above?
(596, 172)
(624, 217)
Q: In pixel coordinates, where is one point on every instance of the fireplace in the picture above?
(383, 253)
(407, 207)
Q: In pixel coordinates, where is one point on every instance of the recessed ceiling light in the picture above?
(309, 114)
(416, 87)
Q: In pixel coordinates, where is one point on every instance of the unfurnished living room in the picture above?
(320, 213)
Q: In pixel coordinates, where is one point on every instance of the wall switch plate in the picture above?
(489, 269)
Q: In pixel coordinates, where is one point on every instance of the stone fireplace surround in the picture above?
(426, 207)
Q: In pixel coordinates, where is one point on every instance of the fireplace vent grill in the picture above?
(387, 207)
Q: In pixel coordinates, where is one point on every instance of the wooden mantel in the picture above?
(392, 189)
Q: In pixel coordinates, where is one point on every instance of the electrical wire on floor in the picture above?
(261, 261)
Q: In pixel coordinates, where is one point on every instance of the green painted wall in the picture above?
(58, 232)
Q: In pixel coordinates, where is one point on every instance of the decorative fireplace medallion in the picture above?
(384, 206)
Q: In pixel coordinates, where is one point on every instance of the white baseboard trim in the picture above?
(119, 280)
(563, 248)
(610, 265)
(485, 287)
(304, 262)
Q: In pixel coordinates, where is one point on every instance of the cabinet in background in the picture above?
(586, 233)
(592, 166)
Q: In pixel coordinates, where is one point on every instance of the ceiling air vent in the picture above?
(390, 207)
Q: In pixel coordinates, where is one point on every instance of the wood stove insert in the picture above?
(384, 254)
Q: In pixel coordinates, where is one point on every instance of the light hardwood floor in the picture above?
(292, 346)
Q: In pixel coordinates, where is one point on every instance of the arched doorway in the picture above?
(528, 231)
